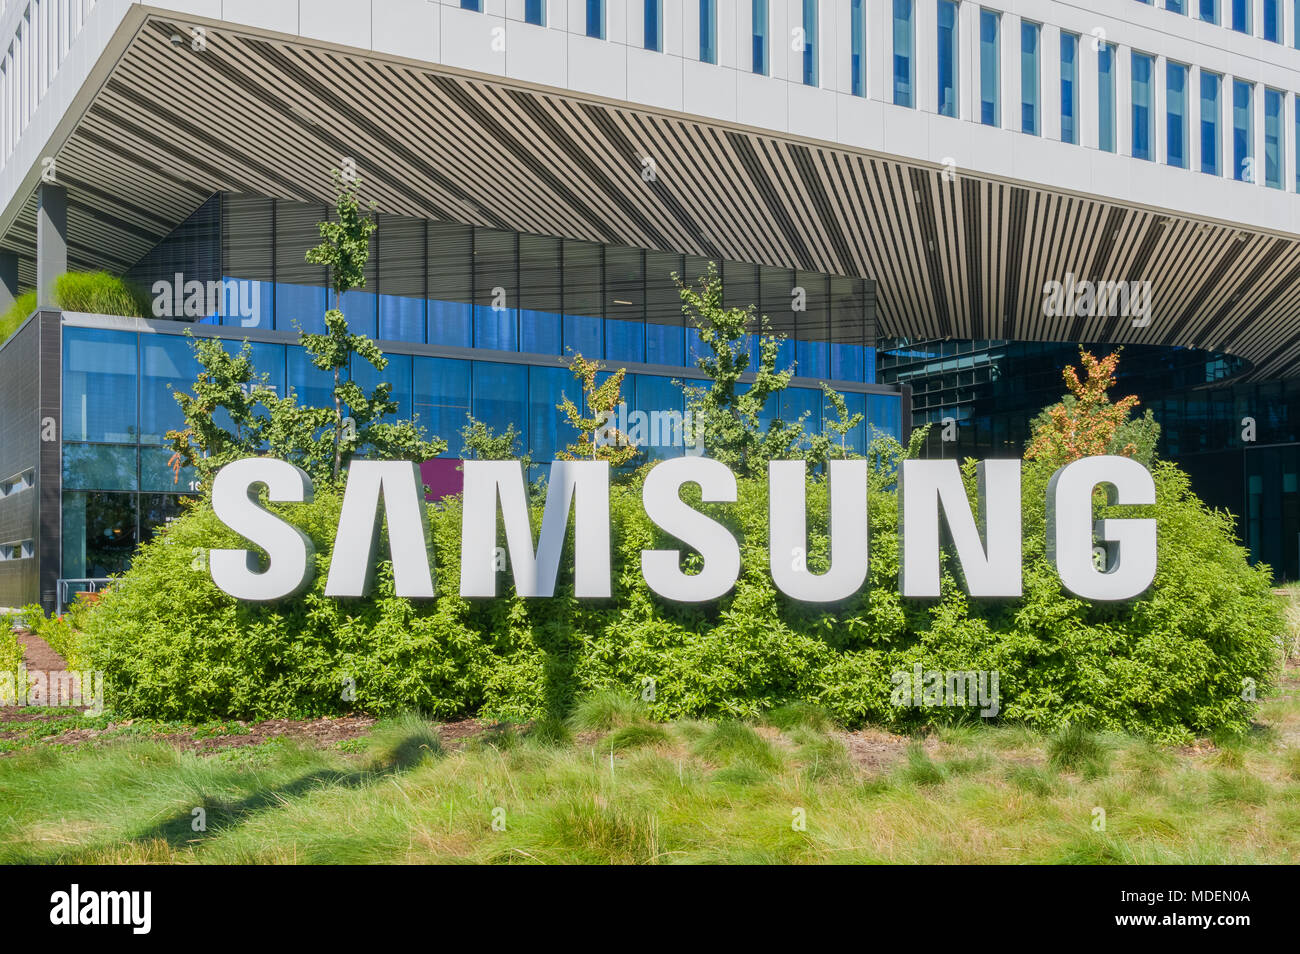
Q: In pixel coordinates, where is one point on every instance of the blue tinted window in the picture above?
(397, 374)
(1106, 97)
(475, 5)
(990, 72)
(1209, 11)
(708, 31)
(100, 467)
(1241, 15)
(1069, 87)
(948, 58)
(1272, 21)
(99, 385)
(1175, 6)
(1029, 78)
(441, 398)
(166, 361)
(1176, 114)
(903, 52)
(313, 386)
(549, 430)
(501, 395)
(157, 475)
(535, 12)
(810, 42)
(1143, 127)
(759, 61)
(1210, 108)
(654, 25)
(660, 433)
(857, 48)
(596, 19)
(1273, 145)
(1243, 147)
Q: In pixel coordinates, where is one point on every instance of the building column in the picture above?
(1290, 161)
(925, 50)
(1227, 160)
(8, 279)
(1089, 105)
(1010, 43)
(880, 52)
(968, 65)
(1194, 118)
(1049, 79)
(1257, 132)
(1123, 63)
(51, 241)
(1159, 111)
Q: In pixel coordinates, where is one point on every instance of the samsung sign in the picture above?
(990, 557)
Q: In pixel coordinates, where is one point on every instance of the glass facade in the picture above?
(1143, 107)
(990, 73)
(535, 12)
(1211, 147)
(810, 43)
(949, 59)
(596, 19)
(1106, 97)
(857, 48)
(1176, 114)
(760, 26)
(1274, 146)
(1176, 6)
(1029, 82)
(903, 51)
(1209, 11)
(473, 320)
(1243, 146)
(1069, 88)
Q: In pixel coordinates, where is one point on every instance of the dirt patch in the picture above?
(321, 733)
(874, 749)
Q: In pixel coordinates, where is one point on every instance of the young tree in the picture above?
(1086, 422)
(726, 417)
(844, 421)
(319, 440)
(598, 439)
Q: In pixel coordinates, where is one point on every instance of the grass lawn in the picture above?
(612, 787)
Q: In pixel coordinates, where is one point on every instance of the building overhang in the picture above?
(953, 254)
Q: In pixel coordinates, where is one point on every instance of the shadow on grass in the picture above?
(403, 753)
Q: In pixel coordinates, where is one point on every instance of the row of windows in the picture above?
(454, 285)
(1237, 15)
(118, 388)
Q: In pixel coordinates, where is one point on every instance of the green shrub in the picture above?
(11, 651)
(62, 633)
(1168, 665)
(99, 293)
(95, 293)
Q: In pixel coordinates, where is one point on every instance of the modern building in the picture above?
(917, 169)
